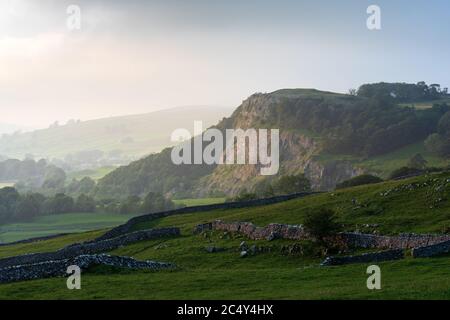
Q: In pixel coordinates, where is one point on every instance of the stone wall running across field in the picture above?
(365, 258)
(89, 248)
(125, 228)
(403, 241)
(431, 250)
(272, 231)
(59, 268)
(297, 232)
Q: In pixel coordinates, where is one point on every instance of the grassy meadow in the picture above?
(394, 206)
(56, 224)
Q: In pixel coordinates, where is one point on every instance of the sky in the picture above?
(135, 56)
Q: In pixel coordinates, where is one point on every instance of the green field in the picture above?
(95, 174)
(395, 206)
(131, 136)
(385, 164)
(56, 224)
(199, 201)
(425, 104)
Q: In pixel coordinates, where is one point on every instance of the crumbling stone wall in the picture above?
(365, 258)
(125, 228)
(431, 250)
(89, 248)
(297, 232)
(272, 231)
(59, 268)
(403, 241)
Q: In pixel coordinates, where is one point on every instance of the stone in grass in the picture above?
(243, 246)
(214, 249)
(244, 254)
(272, 236)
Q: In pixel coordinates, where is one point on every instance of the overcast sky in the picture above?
(138, 56)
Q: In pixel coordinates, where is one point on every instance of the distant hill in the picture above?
(7, 128)
(330, 137)
(117, 139)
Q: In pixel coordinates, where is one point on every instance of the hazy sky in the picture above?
(138, 56)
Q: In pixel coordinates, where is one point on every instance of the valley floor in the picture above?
(225, 275)
(415, 205)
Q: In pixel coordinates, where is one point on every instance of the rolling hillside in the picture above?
(418, 204)
(123, 138)
(329, 137)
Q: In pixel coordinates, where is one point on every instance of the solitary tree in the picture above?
(417, 162)
(321, 224)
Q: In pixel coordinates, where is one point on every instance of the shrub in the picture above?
(404, 172)
(321, 224)
(359, 181)
(291, 184)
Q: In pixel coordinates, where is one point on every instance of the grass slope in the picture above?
(56, 224)
(134, 135)
(270, 275)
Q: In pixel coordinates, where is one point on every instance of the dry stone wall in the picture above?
(272, 231)
(404, 241)
(89, 248)
(431, 250)
(58, 268)
(297, 232)
(365, 258)
(128, 226)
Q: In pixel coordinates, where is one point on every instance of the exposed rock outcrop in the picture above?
(325, 176)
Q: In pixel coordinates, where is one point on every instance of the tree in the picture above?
(155, 202)
(244, 195)
(292, 184)
(9, 198)
(352, 92)
(417, 162)
(321, 224)
(404, 172)
(131, 205)
(359, 180)
(444, 125)
(58, 204)
(54, 178)
(438, 144)
(85, 203)
(29, 207)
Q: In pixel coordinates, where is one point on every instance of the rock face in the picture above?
(89, 248)
(365, 258)
(431, 250)
(325, 176)
(298, 150)
(58, 268)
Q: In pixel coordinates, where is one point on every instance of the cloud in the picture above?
(40, 44)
